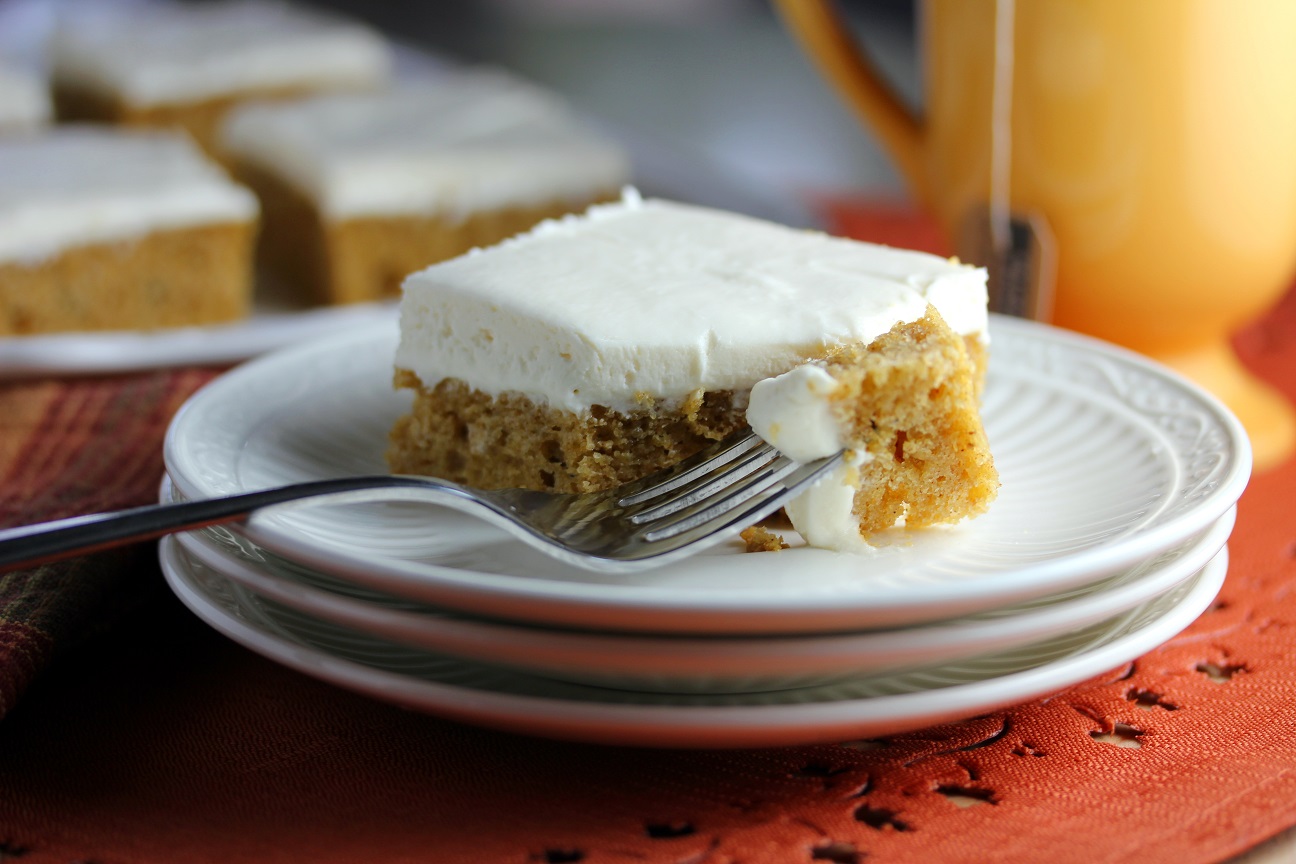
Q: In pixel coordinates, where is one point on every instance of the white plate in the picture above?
(862, 707)
(268, 328)
(1106, 459)
(673, 663)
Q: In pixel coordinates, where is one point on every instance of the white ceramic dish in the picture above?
(269, 327)
(1106, 459)
(857, 708)
(676, 663)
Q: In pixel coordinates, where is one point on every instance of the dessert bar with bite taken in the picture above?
(600, 348)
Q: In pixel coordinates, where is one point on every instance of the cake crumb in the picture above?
(761, 539)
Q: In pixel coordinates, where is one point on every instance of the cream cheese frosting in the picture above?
(454, 143)
(167, 53)
(794, 412)
(649, 296)
(824, 514)
(77, 185)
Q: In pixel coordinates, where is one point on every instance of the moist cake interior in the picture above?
(909, 400)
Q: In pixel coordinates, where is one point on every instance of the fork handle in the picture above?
(44, 542)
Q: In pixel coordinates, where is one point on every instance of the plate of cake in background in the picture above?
(226, 178)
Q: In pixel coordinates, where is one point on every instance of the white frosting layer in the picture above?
(823, 514)
(24, 99)
(164, 53)
(76, 185)
(449, 144)
(794, 412)
(664, 299)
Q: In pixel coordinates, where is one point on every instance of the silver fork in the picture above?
(646, 523)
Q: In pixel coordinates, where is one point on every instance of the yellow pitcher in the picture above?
(1156, 139)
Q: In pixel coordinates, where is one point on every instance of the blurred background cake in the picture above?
(186, 64)
(361, 190)
(104, 228)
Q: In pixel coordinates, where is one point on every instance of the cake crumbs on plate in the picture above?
(760, 539)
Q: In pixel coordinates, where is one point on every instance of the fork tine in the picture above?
(710, 508)
(595, 532)
(705, 486)
(585, 517)
(782, 480)
(695, 466)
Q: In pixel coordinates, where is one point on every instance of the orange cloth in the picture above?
(157, 740)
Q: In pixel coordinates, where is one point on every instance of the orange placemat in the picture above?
(67, 448)
(152, 739)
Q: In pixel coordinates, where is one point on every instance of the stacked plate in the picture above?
(1107, 539)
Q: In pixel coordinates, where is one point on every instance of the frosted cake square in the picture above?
(103, 228)
(187, 64)
(360, 191)
(597, 349)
